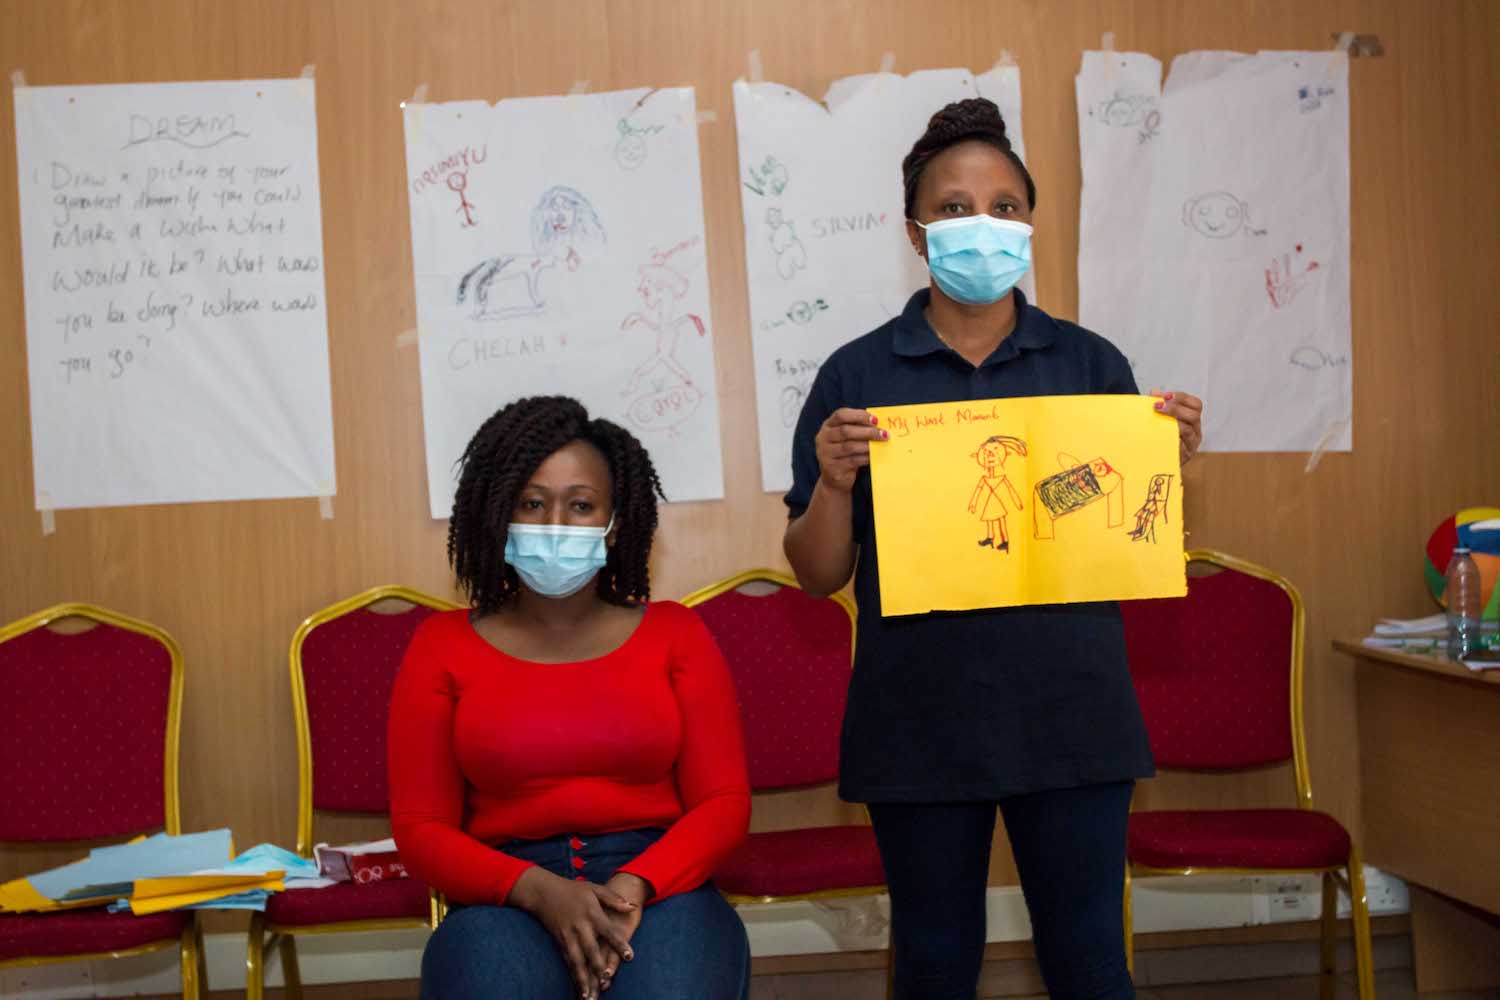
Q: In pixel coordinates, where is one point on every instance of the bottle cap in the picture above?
(1461, 550)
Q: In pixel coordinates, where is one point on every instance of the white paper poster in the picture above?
(177, 340)
(1215, 236)
(826, 250)
(558, 250)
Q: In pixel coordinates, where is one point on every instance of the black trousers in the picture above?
(1069, 847)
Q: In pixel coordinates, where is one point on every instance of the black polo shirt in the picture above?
(975, 705)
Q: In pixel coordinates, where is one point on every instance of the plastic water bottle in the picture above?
(1461, 592)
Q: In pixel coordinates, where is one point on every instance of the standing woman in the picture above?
(953, 714)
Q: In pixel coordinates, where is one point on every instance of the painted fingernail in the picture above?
(874, 421)
(1160, 405)
(1170, 395)
(885, 435)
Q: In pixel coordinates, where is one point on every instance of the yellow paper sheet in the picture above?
(156, 904)
(20, 896)
(171, 885)
(1040, 500)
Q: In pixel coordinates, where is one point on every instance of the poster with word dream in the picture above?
(176, 333)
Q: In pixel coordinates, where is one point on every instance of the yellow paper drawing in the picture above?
(1039, 500)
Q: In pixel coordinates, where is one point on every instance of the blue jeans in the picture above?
(1069, 847)
(690, 946)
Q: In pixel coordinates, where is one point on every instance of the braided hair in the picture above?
(496, 466)
(975, 118)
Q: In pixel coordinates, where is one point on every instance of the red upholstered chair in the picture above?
(89, 725)
(791, 657)
(344, 661)
(1219, 677)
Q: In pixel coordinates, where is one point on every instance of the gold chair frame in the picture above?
(783, 580)
(283, 938)
(1350, 874)
(190, 942)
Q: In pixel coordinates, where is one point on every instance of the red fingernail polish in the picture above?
(885, 435)
(1159, 406)
(874, 420)
(1170, 395)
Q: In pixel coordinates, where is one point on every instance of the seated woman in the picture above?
(566, 760)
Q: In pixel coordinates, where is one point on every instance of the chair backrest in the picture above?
(89, 724)
(791, 655)
(1219, 672)
(344, 661)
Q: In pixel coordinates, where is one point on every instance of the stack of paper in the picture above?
(1431, 625)
(151, 874)
(1410, 635)
(253, 876)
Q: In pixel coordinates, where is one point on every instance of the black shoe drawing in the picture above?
(988, 541)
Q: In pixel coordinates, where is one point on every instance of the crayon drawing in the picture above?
(987, 500)
(939, 521)
(660, 288)
(1076, 487)
(509, 285)
(1153, 510)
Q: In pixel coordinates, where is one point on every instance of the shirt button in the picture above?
(576, 844)
(578, 863)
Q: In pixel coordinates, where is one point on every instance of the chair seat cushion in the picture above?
(797, 862)
(84, 932)
(343, 901)
(1271, 839)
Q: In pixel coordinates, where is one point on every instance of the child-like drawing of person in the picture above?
(660, 288)
(987, 501)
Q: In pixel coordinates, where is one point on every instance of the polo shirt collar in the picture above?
(915, 338)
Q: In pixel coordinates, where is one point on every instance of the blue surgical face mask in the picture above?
(556, 560)
(977, 259)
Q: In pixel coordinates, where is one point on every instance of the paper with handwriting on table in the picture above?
(1039, 500)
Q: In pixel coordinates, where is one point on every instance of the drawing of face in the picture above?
(1119, 111)
(1100, 467)
(658, 282)
(800, 312)
(1216, 215)
(630, 151)
(561, 214)
(651, 291)
(990, 455)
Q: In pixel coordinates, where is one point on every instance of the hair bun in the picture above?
(971, 116)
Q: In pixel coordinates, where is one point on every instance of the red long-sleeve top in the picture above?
(485, 747)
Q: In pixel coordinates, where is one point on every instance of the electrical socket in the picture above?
(1290, 897)
(1383, 891)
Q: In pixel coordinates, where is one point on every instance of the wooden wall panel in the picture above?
(231, 581)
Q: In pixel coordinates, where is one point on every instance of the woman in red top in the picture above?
(566, 760)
